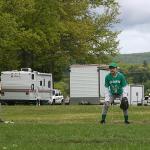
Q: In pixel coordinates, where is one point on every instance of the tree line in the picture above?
(135, 58)
(137, 74)
(50, 35)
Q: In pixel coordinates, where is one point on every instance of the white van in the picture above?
(146, 101)
(57, 97)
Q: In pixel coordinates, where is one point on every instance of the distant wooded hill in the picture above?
(136, 58)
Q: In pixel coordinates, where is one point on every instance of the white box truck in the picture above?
(26, 86)
(87, 83)
(135, 93)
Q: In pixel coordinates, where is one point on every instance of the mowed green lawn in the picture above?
(73, 127)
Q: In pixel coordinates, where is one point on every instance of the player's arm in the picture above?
(107, 92)
(124, 91)
(124, 86)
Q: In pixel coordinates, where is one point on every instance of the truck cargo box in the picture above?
(87, 83)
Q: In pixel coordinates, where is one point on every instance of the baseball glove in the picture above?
(124, 103)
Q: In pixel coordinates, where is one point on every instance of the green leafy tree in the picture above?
(8, 42)
(137, 74)
(89, 36)
(50, 35)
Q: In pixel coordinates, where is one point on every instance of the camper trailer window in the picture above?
(32, 76)
(2, 93)
(53, 92)
(40, 83)
(32, 86)
(44, 82)
(49, 84)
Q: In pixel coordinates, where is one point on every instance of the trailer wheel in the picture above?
(11, 103)
(68, 103)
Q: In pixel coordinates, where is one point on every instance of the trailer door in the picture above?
(84, 81)
(136, 94)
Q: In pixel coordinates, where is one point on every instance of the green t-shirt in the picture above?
(115, 84)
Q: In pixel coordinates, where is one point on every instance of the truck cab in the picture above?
(57, 97)
(146, 101)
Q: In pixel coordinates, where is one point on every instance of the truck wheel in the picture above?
(53, 102)
(11, 103)
(62, 102)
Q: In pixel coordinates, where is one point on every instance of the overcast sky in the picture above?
(135, 26)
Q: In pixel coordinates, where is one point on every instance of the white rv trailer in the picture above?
(87, 83)
(26, 86)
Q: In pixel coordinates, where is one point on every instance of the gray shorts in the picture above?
(113, 97)
(111, 101)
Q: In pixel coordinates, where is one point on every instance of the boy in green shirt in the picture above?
(115, 87)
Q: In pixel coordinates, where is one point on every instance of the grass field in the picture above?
(73, 128)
